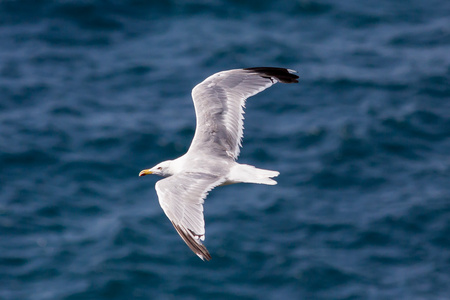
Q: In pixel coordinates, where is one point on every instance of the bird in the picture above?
(210, 161)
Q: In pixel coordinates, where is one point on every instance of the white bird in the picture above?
(211, 159)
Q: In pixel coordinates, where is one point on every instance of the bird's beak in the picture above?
(145, 172)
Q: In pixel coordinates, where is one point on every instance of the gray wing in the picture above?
(219, 106)
(181, 196)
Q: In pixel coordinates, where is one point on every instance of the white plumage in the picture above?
(210, 161)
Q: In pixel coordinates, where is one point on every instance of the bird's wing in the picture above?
(219, 106)
(181, 196)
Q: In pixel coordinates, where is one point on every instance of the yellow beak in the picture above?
(145, 172)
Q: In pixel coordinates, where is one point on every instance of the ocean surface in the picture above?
(92, 92)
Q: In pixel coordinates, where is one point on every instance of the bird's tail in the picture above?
(251, 174)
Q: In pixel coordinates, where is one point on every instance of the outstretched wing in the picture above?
(181, 196)
(219, 106)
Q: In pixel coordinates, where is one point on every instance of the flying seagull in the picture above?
(211, 159)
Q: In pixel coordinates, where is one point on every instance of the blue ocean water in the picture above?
(92, 92)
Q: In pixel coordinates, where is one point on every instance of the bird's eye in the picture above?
(159, 168)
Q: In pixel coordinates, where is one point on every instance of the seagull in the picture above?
(219, 103)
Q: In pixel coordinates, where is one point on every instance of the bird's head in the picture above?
(161, 169)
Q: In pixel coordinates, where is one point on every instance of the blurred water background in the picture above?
(92, 92)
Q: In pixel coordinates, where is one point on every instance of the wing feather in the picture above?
(219, 106)
(181, 196)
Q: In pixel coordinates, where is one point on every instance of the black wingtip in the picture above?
(281, 74)
(196, 247)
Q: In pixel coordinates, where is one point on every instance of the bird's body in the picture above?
(211, 159)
